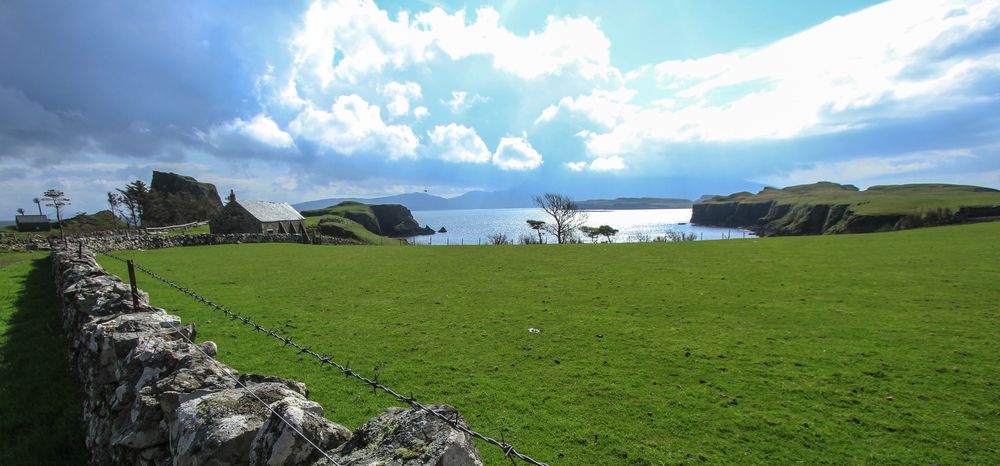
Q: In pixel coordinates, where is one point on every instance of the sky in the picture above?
(302, 100)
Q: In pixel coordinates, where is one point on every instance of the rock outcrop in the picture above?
(397, 221)
(151, 396)
(175, 199)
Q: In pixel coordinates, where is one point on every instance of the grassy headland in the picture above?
(833, 208)
(837, 349)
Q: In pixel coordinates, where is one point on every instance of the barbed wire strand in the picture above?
(226, 371)
(508, 450)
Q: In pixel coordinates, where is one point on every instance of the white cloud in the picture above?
(260, 129)
(457, 143)
(399, 96)
(342, 41)
(867, 168)
(607, 164)
(882, 62)
(564, 42)
(516, 153)
(604, 107)
(420, 112)
(461, 100)
(600, 164)
(352, 125)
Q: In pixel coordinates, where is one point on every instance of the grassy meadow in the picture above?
(877, 348)
(40, 402)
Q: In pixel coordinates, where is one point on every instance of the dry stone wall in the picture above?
(153, 397)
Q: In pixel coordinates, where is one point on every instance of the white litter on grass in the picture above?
(534, 330)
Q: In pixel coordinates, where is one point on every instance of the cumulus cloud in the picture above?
(260, 129)
(352, 125)
(457, 143)
(421, 112)
(516, 153)
(600, 164)
(607, 164)
(607, 108)
(461, 100)
(345, 40)
(888, 61)
(399, 96)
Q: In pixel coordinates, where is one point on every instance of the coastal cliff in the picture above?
(830, 208)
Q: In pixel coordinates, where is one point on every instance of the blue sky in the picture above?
(304, 100)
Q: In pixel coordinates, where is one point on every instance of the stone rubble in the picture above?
(152, 397)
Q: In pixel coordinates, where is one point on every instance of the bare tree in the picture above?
(538, 226)
(57, 199)
(566, 216)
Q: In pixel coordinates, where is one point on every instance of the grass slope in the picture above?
(876, 200)
(39, 399)
(350, 220)
(876, 348)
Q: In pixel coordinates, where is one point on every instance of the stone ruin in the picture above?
(152, 397)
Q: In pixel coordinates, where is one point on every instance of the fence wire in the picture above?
(508, 450)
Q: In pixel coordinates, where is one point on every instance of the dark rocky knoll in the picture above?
(176, 199)
(829, 208)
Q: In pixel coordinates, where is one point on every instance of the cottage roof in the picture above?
(31, 219)
(267, 211)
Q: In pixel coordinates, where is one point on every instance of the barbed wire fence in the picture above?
(508, 450)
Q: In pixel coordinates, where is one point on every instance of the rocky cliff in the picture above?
(396, 220)
(828, 208)
(175, 199)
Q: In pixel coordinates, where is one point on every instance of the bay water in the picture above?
(475, 226)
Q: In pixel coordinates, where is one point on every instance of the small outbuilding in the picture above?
(32, 223)
(267, 217)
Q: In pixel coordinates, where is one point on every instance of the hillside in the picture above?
(825, 208)
(386, 220)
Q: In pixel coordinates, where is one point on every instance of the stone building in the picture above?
(240, 216)
(32, 223)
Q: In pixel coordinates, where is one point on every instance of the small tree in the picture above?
(115, 204)
(538, 226)
(57, 200)
(567, 218)
(498, 239)
(38, 202)
(607, 232)
(591, 232)
(20, 211)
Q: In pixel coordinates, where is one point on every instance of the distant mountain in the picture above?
(665, 189)
(424, 201)
(635, 203)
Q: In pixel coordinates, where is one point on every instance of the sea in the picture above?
(475, 226)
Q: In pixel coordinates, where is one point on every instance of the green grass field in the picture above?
(40, 403)
(878, 348)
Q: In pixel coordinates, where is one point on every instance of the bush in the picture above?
(498, 239)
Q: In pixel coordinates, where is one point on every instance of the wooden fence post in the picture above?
(135, 290)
